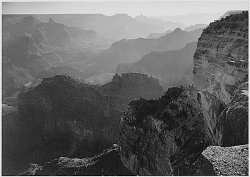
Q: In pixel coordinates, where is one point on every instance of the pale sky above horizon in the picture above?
(132, 8)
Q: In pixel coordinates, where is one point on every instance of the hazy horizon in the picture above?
(132, 8)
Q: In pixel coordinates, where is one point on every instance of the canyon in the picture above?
(132, 50)
(150, 146)
(67, 117)
(172, 68)
(129, 125)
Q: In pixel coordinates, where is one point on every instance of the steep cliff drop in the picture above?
(169, 137)
(164, 136)
(221, 75)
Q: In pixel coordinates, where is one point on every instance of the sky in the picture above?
(132, 8)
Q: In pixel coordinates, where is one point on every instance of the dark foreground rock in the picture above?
(65, 117)
(164, 136)
(107, 163)
(225, 161)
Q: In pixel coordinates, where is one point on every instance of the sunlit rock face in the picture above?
(164, 136)
(221, 75)
(106, 163)
(222, 161)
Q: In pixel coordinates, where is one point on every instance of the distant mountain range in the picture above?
(194, 27)
(33, 46)
(128, 51)
(172, 68)
(189, 28)
(44, 45)
(162, 25)
(157, 35)
(191, 19)
(116, 27)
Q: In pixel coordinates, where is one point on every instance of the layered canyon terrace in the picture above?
(121, 95)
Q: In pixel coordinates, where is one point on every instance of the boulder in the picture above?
(222, 161)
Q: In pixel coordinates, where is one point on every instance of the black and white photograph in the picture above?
(124, 88)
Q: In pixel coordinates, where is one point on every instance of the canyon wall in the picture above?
(221, 75)
(168, 137)
(164, 136)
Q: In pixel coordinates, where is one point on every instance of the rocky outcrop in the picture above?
(221, 74)
(67, 117)
(62, 105)
(231, 12)
(222, 48)
(222, 161)
(172, 68)
(106, 163)
(162, 137)
(165, 143)
(133, 85)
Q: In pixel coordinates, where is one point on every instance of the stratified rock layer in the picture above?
(222, 52)
(221, 74)
(166, 138)
(162, 137)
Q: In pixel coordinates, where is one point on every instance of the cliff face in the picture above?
(167, 136)
(162, 137)
(221, 74)
(134, 85)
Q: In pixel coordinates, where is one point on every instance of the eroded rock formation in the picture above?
(221, 74)
(162, 137)
(63, 116)
(106, 163)
(168, 139)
